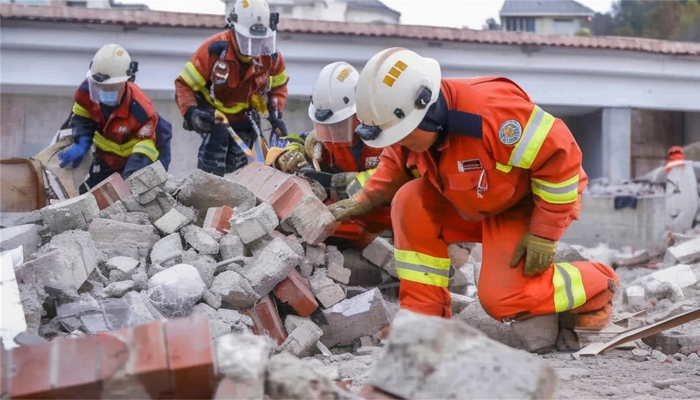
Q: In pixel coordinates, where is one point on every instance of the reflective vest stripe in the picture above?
(422, 268)
(415, 173)
(569, 292)
(503, 168)
(148, 148)
(278, 80)
(122, 150)
(195, 80)
(535, 133)
(80, 110)
(363, 176)
(556, 193)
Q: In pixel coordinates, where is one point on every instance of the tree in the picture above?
(491, 25)
(689, 24)
(603, 24)
(631, 16)
(662, 21)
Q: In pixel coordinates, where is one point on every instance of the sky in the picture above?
(472, 13)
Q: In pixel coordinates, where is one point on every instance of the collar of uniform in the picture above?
(123, 110)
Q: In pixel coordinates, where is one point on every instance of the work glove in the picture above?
(540, 254)
(278, 126)
(199, 119)
(291, 160)
(75, 153)
(354, 206)
(339, 184)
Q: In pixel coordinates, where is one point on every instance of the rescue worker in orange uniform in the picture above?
(496, 169)
(676, 158)
(334, 147)
(235, 72)
(112, 113)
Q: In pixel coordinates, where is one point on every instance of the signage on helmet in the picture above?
(394, 73)
(343, 75)
(245, 4)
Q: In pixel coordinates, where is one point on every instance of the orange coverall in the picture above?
(504, 167)
(676, 158)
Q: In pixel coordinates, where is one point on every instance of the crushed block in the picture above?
(381, 253)
(325, 290)
(255, 223)
(200, 240)
(76, 213)
(218, 218)
(362, 315)
(295, 291)
(235, 291)
(303, 336)
(419, 343)
(205, 265)
(150, 196)
(271, 266)
(147, 178)
(686, 253)
(231, 246)
(635, 296)
(363, 273)
(126, 265)
(289, 378)
(202, 191)
(175, 290)
(312, 220)
(26, 236)
(171, 222)
(121, 238)
(336, 271)
(166, 249)
(242, 360)
(283, 191)
(316, 254)
(119, 289)
(110, 191)
(266, 319)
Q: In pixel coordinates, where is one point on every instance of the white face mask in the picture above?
(108, 98)
(108, 95)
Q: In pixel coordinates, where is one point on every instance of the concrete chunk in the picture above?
(243, 358)
(255, 223)
(147, 178)
(76, 213)
(175, 290)
(235, 291)
(136, 238)
(316, 255)
(303, 336)
(126, 265)
(119, 289)
(200, 240)
(167, 248)
(686, 253)
(362, 315)
(287, 378)
(25, 235)
(326, 291)
(231, 246)
(202, 190)
(171, 222)
(312, 220)
(381, 253)
(336, 271)
(270, 267)
(487, 369)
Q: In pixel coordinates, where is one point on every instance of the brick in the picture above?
(270, 267)
(303, 336)
(76, 368)
(110, 191)
(171, 222)
(191, 357)
(488, 369)
(266, 320)
(150, 358)
(378, 252)
(202, 191)
(218, 218)
(147, 178)
(242, 360)
(30, 378)
(200, 240)
(296, 292)
(312, 220)
(362, 315)
(336, 271)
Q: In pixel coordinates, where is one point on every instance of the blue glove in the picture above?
(76, 152)
(278, 126)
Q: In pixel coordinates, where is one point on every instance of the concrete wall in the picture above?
(599, 222)
(691, 127)
(29, 122)
(653, 133)
(547, 25)
(367, 16)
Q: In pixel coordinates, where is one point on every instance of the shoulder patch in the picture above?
(137, 111)
(84, 87)
(218, 47)
(464, 124)
(510, 132)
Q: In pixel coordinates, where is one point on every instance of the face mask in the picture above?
(109, 98)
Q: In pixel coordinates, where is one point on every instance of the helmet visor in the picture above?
(339, 132)
(256, 46)
(108, 95)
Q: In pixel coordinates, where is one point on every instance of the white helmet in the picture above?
(333, 103)
(395, 89)
(110, 68)
(254, 26)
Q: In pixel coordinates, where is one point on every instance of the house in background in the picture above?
(564, 17)
(78, 3)
(363, 11)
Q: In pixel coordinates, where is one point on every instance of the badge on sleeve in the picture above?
(510, 132)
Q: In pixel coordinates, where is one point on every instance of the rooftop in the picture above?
(520, 8)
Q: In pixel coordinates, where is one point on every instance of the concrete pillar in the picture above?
(616, 133)
(691, 126)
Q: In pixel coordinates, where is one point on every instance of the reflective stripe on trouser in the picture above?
(219, 154)
(426, 222)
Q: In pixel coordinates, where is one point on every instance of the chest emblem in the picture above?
(469, 165)
(122, 130)
(371, 162)
(510, 132)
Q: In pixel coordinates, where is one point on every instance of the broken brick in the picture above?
(266, 320)
(295, 291)
(149, 356)
(32, 368)
(218, 218)
(191, 357)
(75, 379)
(111, 190)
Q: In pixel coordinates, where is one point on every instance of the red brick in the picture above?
(218, 218)
(345, 383)
(111, 190)
(253, 176)
(76, 364)
(369, 392)
(266, 319)
(191, 357)
(150, 358)
(230, 389)
(113, 356)
(288, 196)
(31, 371)
(295, 291)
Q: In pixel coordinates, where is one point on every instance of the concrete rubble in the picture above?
(280, 314)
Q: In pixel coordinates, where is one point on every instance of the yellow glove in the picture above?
(355, 206)
(291, 160)
(540, 254)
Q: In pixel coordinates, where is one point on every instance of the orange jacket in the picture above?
(343, 157)
(130, 128)
(500, 148)
(245, 78)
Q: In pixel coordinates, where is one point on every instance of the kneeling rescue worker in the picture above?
(495, 168)
(334, 147)
(112, 113)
